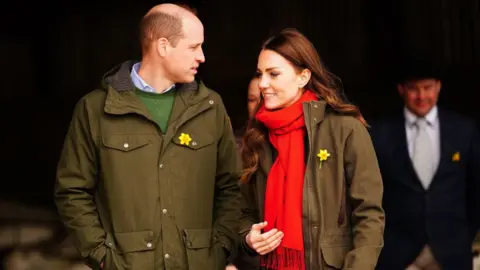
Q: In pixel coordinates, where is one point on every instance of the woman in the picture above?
(243, 261)
(312, 185)
(253, 99)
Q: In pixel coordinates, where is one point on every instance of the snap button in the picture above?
(211, 102)
(167, 256)
(164, 211)
(149, 245)
(125, 145)
(194, 143)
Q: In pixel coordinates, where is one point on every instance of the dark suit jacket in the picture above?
(445, 216)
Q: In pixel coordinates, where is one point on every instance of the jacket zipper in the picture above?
(310, 147)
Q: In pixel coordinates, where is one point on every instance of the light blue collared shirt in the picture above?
(141, 84)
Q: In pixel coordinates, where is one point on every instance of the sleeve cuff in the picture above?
(243, 243)
(96, 257)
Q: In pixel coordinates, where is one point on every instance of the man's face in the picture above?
(420, 96)
(183, 60)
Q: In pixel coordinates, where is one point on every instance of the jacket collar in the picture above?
(314, 112)
(121, 98)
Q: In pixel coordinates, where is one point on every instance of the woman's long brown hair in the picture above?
(301, 53)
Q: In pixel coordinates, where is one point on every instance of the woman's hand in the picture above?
(263, 243)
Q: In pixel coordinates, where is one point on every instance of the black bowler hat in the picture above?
(417, 66)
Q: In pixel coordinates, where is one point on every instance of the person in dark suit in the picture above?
(429, 158)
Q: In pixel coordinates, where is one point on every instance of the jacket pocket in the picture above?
(198, 243)
(196, 151)
(335, 245)
(124, 143)
(132, 250)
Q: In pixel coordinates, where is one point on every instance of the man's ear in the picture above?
(439, 85)
(162, 46)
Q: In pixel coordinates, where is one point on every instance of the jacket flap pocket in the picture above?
(194, 140)
(198, 238)
(338, 237)
(124, 142)
(135, 241)
(335, 245)
(335, 256)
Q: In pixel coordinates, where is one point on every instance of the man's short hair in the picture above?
(160, 24)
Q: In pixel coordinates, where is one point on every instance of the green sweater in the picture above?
(159, 105)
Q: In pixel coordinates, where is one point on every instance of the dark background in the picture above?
(53, 53)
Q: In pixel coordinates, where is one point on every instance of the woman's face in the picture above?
(253, 96)
(279, 82)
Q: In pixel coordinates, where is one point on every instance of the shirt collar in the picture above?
(431, 116)
(141, 84)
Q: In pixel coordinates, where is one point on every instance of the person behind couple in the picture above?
(311, 183)
(253, 100)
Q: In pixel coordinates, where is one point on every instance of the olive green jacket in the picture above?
(140, 199)
(343, 219)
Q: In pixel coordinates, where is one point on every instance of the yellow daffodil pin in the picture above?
(184, 139)
(456, 157)
(323, 155)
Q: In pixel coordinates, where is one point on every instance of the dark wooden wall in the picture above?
(53, 57)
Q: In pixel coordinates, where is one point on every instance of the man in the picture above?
(147, 178)
(430, 163)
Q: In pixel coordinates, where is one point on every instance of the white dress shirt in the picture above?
(433, 131)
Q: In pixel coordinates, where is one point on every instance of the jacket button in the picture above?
(167, 256)
(189, 244)
(125, 145)
(149, 245)
(194, 143)
(164, 211)
(315, 106)
(161, 166)
(211, 102)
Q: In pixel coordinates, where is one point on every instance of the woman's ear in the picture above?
(304, 78)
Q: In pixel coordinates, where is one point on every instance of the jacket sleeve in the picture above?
(75, 187)
(365, 196)
(249, 215)
(227, 191)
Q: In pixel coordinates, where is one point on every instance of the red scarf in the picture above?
(284, 192)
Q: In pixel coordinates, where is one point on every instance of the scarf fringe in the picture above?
(284, 259)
